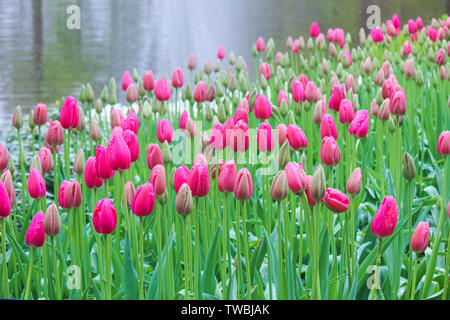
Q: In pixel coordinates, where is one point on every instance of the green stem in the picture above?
(5, 266)
(56, 271)
(30, 271)
(377, 269)
(246, 250)
(141, 256)
(413, 288)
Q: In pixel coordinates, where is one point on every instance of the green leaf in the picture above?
(208, 277)
(130, 280)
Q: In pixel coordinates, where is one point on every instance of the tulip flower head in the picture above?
(104, 217)
(35, 236)
(335, 200)
(69, 114)
(385, 219)
(243, 185)
(36, 185)
(420, 237)
(144, 200)
(198, 180)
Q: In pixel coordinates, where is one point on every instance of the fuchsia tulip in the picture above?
(359, 127)
(420, 237)
(91, 178)
(385, 219)
(311, 91)
(200, 92)
(412, 26)
(298, 91)
(36, 185)
(180, 177)
(335, 200)
(263, 109)
(296, 46)
(240, 114)
(282, 95)
(104, 171)
(144, 200)
(396, 21)
(432, 33)
(164, 131)
(314, 30)
(162, 89)
(4, 155)
(419, 23)
(260, 44)
(35, 236)
(265, 138)
(282, 133)
(118, 154)
(40, 114)
(148, 81)
(69, 116)
(154, 155)
(183, 119)
(296, 177)
(5, 203)
(158, 179)
(309, 197)
(328, 127)
(354, 182)
(296, 137)
(377, 35)
(45, 155)
(243, 185)
(55, 133)
(264, 69)
(6, 179)
(337, 95)
(177, 78)
(346, 112)
(131, 122)
(221, 52)
(227, 176)
(330, 153)
(239, 138)
(443, 145)
(132, 142)
(104, 217)
(198, 180)
(217, 139)
(126, 80)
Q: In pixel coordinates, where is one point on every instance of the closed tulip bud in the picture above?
(279, 188)
(265, 138)
(82, 120)
(132, 93)
(227, 176)
(384, 112)
(330, 153)
(94, 131)
(318, 183)
(69, 114)
(385, 219)
(200, 92)
(130, 191)
(191, 129)
(104, 95)
(296, 137)
(154, 155)
(104, 171)
(335, 200)
(183, 201)
(4, 155)
(104, 217)
(79, 163)
(328, 127)
(127, 80)
(211, 93)
(285, 155)
(409, 169)
(198, 180)
(420, 237)
(158, 179)
(243, 186)
(443, 145)
(282, 133)
(6, 179)
(311, 91)
(11, 166)
(40, 114)
(98, 105)
(162, 89)
(73, 194)
(52, 221)
(263, 109)
(17, 118)
(354, 182)
(36, 185)
(319, 110)
(118, 153)
(346, 112)
(35, 236)
(30, 120)
(36, 162)
(359, 127)
(391, 125)
(192, 62)
(5, 203)
(91, 178)
(45, 156)
(374, 108)
(296, 177)
(164, 131)
(55, 134)
(177, 78)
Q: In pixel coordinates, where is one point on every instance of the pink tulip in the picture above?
(217, 139)
(296, 137)
(260, 44)
(330, 153)
(396, 20)
(40, 114)
(419, 23)
(263, 109)
(126, 80)
(6, 179)
(346, 112)
(296, 177)
(132, 142)
(443, 145)
(282, 133)
(130, 191)
(377, 35)
(240, 114)
(91, 178)
(349, 57)
(5, 203)
(385, 219)
(104, 171)
(314, 30)
(296, 46)
(55, 133)
(264, 69)
(36, 185)
(4, 156)
(132, 93)
(162, 89)
(158, 179)
(412, 26)
(282, 96)
(328, 127)
(440, 57)
(239, 138)
(309, 197)
(148, 81)
(118, 154)
(131, 122)
(303, 79)
(192, 62)
(221, 52)
(74, 196)
(144, 200)
(311, 91)
(198, 180)
(200, 92)
(432, 33)
(265, 138)
(335, 200)
(359, 127)
(154, 155)
(397, 102)
(45, 155)
(180, 177)
(354, 182)
(420, 237)
(177, 78)
(35, 236)
(116, 118)
(164, 131)
(298, 92)
(183, 119)
(69, 116)
(104, 217)
(390, 28)
(243, 185)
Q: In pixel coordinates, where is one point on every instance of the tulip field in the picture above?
(322, 175)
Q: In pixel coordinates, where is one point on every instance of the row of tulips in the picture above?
(204, 210)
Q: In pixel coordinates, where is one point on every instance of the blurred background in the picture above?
(42, 60)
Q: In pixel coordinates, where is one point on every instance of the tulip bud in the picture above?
(335, 200)
(46, 161)
(385, 219)
(318, 183)
(167, 155)
(36, 162)
(79, 163)
(183, 201)
(52, 222)
(89, 93)
(285, 154)
(279, 188)
(354, 182)
(132, 93)
(17, 120)
(420, 237)
(81, 120)
(384, 112)
(35, 235)
(6, 179)
(409, 169)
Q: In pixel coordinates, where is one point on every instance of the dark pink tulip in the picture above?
(154, 155)
(158, 179)
(397, 102)
(126, 80)
(177, 78)
(148, 81)
(35, 236)
(346, 112)
(221, 52)
(198, 180)
(239, 139)
(104, 171)
(62, 195)
(420, 237)
(282, 95)
(91, 178)
(40, 114)
(180, 177)
(217, 139)
(335, 200)
(264, 69)
(265, 138)
(164, 131)
(192, 62)
(298, 91)
(354, 182)
(240, 114)
(73, 193)
(144, 200)
(200, 91)
(328, 127)
(412, 26)
(443, 145)
(5, 202)
(162, 89)
(263, 109)
(440, 57)
(385, 219)
(69, 116)
(396, 20)
(330, 153)
(296, 137)
(131, 122)
(132, 142)
(8, 183)
(360, 124)
(45, 155)
(118, 154)
(311, 91)
(104, 217)
(260, 44)
(55, 133)
(330, 35)
(303, 79)
(419, 23)
(377, 35)
(309, 197)
(282, 133)
(243, 185)
(227, 176)
(296, 46)
(4, 155)
(183, 119)
(314, 30)
(432, 33)
(296, 177)
(36, 185)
